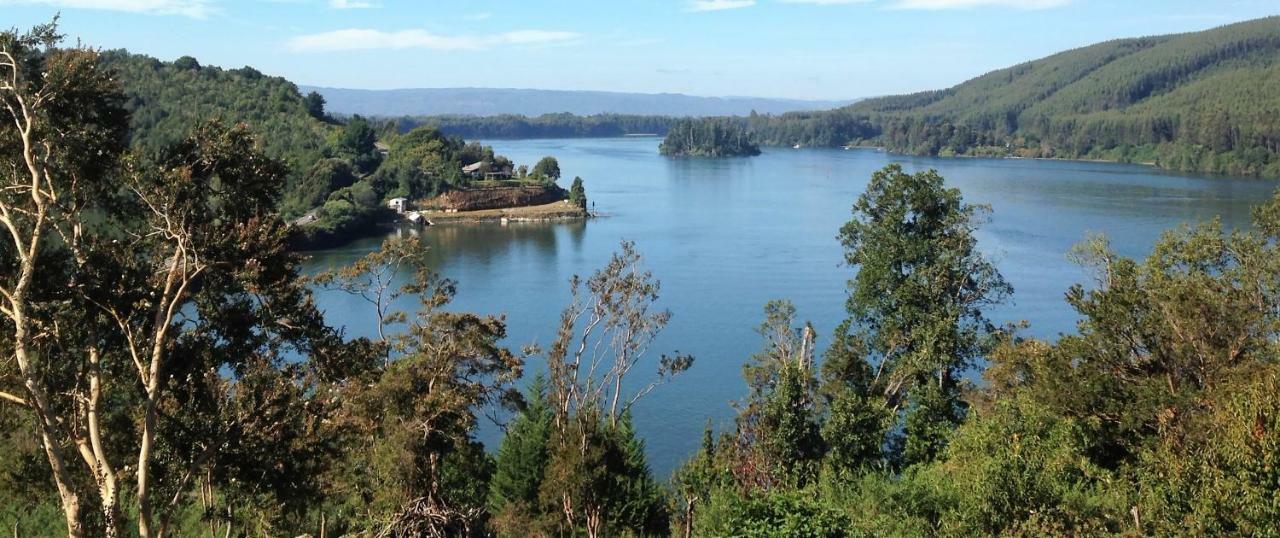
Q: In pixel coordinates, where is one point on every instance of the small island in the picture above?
(528, 198)
(420, 177)
(709, 137)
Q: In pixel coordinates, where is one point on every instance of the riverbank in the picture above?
(555, 211)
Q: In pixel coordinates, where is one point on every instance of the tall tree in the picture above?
(918, 297)
(521, 463)
(603, 336)
(778, 444)
(60, 139)
(131, 301)
(315, 105)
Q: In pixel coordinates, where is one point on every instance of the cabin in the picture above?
(475, 169)
(399, 205)
(484, 170)
(504, 173)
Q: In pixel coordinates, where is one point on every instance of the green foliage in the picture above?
(421, 163)
(709, 137)
(315, 105)
(313, 188)
(1022, 469)
(578, 193)
(1218, 474)
(778, 444)
(854, 432)
(167, 100)
(599, 469)
(916, 302)
(409, 423)
(547, 167)
(791, 514)
(521, 462)
(356, 141)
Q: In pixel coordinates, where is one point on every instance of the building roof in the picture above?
(473, 167)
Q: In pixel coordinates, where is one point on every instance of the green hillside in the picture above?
(1206, 101)
(336, 186)
(167, 99)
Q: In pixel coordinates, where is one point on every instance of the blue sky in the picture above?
(818, 49)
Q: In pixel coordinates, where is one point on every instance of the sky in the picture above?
(802, 49)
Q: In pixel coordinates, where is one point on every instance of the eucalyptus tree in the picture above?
(596, 476)
(61, 137)
(149, 304)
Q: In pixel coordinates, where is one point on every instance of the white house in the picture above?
(398, 204)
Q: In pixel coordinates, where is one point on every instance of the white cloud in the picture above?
(718, 5)
(367, 39)
(351, 4)
(962, 4)
(826, 2)
(197, 9)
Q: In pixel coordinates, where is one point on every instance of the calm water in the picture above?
(726, 236)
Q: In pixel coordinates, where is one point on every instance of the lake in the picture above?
(726, 236)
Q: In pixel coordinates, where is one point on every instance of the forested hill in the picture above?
(1205, 101)
(167, 99)
(496, 101)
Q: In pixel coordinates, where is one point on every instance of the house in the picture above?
(504, 173)
(484, 169)
(475, 169)
(398, 204)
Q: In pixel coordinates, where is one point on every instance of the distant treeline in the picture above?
(1204, 102)
(544, 126)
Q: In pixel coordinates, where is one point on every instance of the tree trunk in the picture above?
(144, 460)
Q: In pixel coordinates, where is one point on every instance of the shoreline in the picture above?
(552, 212)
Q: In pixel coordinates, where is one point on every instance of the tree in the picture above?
(315, 105)
(55, 131)
(603, 336)
(778, 444)
(547, 167)
(578, 193)
(132, 305)
(187, 63)
(358, 141)
(857, 420)
(414, 416)
(916, 302)
(521, 463)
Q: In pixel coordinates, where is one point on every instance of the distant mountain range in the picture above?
(496, 101)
